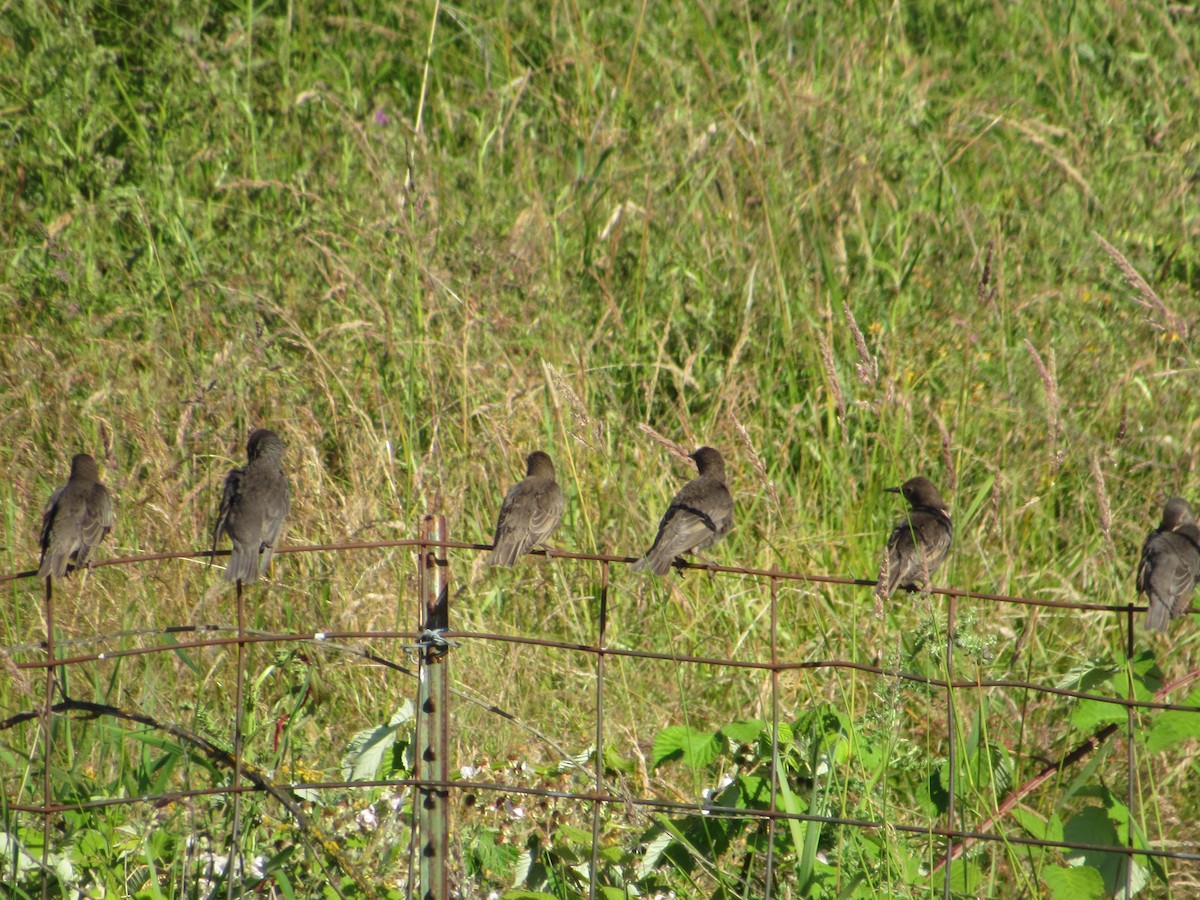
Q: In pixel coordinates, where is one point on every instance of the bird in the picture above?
(254, 503)
(77, 517)
(531, 511)
(919, 542)
(1169, 569)
(699, 515)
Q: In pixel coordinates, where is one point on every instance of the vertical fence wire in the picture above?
(47, 740)
(1130, 758)
(952, 756)
(233, 865)
(599, 755)
(770, 873)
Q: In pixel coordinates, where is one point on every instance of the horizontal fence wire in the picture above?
(416, 642)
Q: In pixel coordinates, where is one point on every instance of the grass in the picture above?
(880, 239)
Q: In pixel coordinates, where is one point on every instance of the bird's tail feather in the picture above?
(54, 563)
(504, 553)
(243, 565)
(658, 563)
(1156, 616)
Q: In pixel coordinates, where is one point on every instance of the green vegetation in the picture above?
(843, 243)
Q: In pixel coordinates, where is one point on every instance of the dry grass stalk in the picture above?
(986, 292)
(880, 592)
(1034, 132)
(587, 429)
(669, 445)
(867, 367)
(995, 503)
(1053, 403)
(1146, 297)
(947, 456)
(756, 461)
(835, 386)
(1105, 506)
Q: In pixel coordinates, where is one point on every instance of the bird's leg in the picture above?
(709, 565)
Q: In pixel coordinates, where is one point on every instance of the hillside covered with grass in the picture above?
(845, 244)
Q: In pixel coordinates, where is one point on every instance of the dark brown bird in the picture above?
(1169, 569)
(531, 510)
(699, 515)
(919, 542)
(76, 519)
(253, 506)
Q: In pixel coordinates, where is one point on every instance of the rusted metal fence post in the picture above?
(48, 740)
(433, 764)
(951, 752)
(599, 760)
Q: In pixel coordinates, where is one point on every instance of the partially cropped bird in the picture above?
(1169, 569)
(699, 515)
(531, 511)
(76, 519)
(919, 542)
(254, 503)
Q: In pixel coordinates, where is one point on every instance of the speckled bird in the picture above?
(531, 511)
(919, 542)
(254, 503)
(1169, 569)
(76, 519)
(699, 515)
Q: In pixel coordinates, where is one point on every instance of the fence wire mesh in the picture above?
(434, 644)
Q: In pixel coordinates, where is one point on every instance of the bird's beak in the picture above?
(894, 490)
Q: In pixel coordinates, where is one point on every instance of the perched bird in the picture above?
(699, 515)
(253, 506)
(531, 510)
(78, 516)
(919, 542)
(1170, 566)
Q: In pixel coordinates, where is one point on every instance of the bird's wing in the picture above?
(48, 515)
(1145, 563)
(229, 493)
(681, 529)
(96, 522)
(276, 503)
(546, 512)
(1180, 565)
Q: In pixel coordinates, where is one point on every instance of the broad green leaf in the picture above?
(692, 747)
(1035, 826)
(745, 731)
(1172, 726)
(1074, 883)
(364, 753)
(1089, 714)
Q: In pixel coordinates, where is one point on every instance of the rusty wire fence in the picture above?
(434, 642)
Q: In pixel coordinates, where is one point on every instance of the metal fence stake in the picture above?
(952, 760)
(47, 740)
(770, 873)
(433, 763)
(599, 761)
